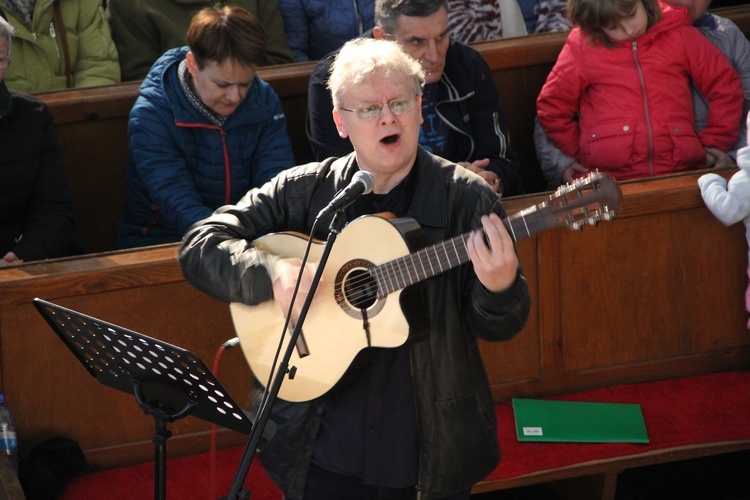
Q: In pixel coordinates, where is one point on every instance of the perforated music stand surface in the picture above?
(115, 355)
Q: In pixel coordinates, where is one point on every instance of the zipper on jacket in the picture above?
(105, 23)
(227, 168)
(360, 22)
(455, 100)
(225, 149)
(645, 109)
(53, 34)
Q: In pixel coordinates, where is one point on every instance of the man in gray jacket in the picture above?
(464, 121)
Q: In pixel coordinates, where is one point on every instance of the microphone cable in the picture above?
(212, 453)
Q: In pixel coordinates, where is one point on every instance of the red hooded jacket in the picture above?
(628, 110)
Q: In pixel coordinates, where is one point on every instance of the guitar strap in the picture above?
(64, 43)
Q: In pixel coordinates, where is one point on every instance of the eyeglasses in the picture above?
(4, 62)
(398, 106)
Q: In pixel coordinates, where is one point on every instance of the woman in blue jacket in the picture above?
(203, 131)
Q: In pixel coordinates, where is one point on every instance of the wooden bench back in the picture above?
(656, 293)
(92, 123)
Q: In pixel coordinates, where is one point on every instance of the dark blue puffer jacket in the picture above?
(315, 28)
(182, 166)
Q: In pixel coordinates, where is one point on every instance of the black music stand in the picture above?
(168, 382)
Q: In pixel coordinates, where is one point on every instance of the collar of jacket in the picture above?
(430, 204)
(6, 102)
(162, 85)
(706, 21)
(455, 93)
(40, 20)
(671, 18)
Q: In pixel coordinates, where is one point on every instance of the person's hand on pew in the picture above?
(10, 259)
(716, 158)
(573, 171)
(479, 167)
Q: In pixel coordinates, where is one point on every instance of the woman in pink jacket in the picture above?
(618, 98)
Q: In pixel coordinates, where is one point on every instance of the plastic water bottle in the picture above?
(8, 440)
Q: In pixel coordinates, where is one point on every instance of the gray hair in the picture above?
(363, 60)
(7, 31)
(387, 12)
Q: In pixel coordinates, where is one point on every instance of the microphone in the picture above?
(362, 183)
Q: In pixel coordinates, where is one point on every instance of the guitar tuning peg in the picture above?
(593, 221)
(608, 215)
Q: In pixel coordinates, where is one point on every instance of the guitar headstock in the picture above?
(587, 200)
(584, 201)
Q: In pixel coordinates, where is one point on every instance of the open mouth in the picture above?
(389, 139)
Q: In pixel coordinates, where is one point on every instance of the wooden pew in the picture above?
(91, 126)
(92, 123)
(655, 294)
(660, 288)
(52, 394)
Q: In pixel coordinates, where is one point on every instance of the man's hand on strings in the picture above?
(286, 272)
(495, 262)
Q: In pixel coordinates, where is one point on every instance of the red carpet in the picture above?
(708, 408)
(187, 478)
(701, 409)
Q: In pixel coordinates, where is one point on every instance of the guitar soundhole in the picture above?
(360, 289)
(356, 289)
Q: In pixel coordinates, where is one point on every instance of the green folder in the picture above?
(578, 422)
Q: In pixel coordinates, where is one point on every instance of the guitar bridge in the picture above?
(301, 344)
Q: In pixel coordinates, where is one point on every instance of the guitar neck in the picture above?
(581, 202)
(436, 259)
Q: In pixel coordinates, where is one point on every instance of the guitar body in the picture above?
(359, 302)
(333, 332)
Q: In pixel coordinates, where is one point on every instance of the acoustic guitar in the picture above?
(358, 304)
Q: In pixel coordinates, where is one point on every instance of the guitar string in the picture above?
(388, 273)
(397, 274)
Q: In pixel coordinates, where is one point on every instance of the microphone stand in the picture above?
(283, 369)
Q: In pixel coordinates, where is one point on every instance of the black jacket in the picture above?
(453, 401)
(36, 219)
(467, 101)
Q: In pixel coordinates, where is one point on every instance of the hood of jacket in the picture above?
(40, 55)
(671, 18)
(162, 85)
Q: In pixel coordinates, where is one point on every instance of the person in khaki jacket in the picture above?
(59, 44)
(143, 30)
